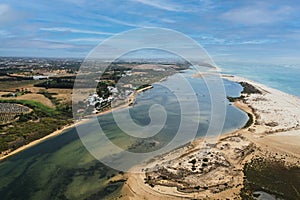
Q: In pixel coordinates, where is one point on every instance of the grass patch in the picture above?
(33, 105)
(271, 176)
(42, 121)
(12, 84)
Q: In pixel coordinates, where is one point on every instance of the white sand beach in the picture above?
(217, 171)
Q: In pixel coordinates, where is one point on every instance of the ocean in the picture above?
(281, 77)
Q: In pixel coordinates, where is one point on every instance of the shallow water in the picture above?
(61, 167)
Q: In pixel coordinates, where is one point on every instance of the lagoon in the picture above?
(62, 168)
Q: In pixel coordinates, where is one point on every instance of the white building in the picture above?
(93, 99)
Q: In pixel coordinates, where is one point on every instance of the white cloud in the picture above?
(212, 40)
(258, 14)
(93, 40)
(170, 21)
(266, 41)
(160, 4)
(116, 21)
(65, 29)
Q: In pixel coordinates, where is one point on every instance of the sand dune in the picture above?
(275, 131)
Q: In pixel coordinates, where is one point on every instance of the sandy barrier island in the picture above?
(212, 168)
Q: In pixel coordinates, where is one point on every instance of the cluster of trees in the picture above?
(49, 96)
(18, 92)
(113, 74)
(59, 82)
(102, 90)
(249, 89)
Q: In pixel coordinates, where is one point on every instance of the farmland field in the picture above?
(10, 111)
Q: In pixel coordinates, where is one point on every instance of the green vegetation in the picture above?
(193, 161)
(36, 106)
(17, 93)
(271, 176)
(12, 84)
(43, 120)
(31, 126)
(249, 89)
(250, 121)
(102, 90)
(58, 82)
(234, 99)
(49, 96)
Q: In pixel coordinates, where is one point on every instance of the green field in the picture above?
(31, 126)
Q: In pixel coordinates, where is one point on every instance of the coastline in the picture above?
(274, 133)
(131, 100)
(262, 137)
(35, 142)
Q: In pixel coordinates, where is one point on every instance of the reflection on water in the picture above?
(61, 168)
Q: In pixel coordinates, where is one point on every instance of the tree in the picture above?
(102, 90)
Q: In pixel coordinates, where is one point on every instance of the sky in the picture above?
(230, 30)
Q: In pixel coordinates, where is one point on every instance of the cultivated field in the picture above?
(10, 111)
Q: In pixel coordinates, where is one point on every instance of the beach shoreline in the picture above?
(131, 99)
(40, 140)
(274, 133)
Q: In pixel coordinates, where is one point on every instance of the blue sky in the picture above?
(256, 31)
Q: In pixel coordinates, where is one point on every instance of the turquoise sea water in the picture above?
(61, 167)
(283, 77)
